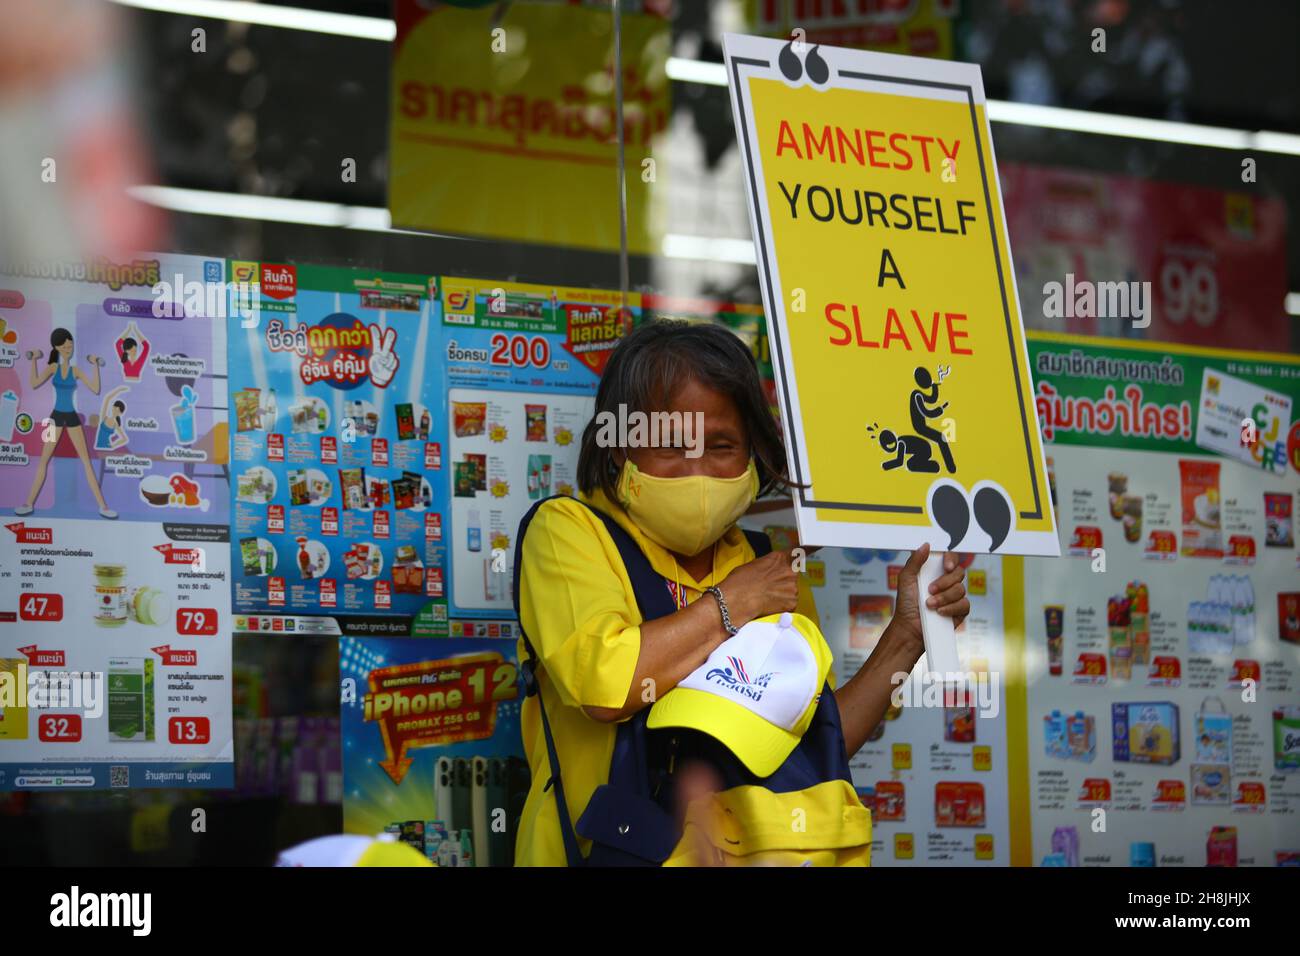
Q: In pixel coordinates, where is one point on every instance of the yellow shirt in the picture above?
(577, 606)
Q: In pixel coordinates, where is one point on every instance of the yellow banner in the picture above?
(507, 128)
(890, 293)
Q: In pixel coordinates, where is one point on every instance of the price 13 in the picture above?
(189, 730)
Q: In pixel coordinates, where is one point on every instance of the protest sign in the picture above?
(891, 301)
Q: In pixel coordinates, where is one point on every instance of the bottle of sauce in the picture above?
(1054, 615)
(304, 559)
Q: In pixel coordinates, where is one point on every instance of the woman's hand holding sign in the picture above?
(946, 595)
(864, 699)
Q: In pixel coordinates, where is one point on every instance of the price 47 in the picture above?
(41, 607)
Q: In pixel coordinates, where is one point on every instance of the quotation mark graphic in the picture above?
(952, 513)
(793, 70)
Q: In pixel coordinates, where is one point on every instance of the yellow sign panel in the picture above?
(896, 336)
(504, 125)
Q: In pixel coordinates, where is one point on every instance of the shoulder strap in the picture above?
(759, 541)
(572, 852)
(652, 595)
(519, 555)
(654, 601)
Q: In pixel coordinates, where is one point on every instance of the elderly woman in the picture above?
(679, 502)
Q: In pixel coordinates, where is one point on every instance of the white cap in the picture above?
(756, 693)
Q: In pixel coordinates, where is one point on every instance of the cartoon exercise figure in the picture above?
(914, 447)
(923, 407)
(64, 415)
(132, 352)
(111, 435)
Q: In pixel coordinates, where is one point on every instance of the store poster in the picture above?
(337, 402)
(1210, 266)
(522, 365)
(432, 750)
(932, 438)
(514, 138)
(936, 772)
(1162, 652)
(912, 27)
(115, 658)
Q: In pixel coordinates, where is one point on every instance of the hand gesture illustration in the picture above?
(383, 360)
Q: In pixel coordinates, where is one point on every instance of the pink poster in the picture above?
(1215, 261)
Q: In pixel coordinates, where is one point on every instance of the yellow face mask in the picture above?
(685, 515)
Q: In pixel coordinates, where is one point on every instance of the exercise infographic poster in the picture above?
(432, 750)
(522, 364)
(115, 655)
(337, 399)
(1162, 653)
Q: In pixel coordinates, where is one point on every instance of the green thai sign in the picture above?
(1169, 398)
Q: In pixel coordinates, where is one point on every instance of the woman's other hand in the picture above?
(947, 594)
(766, 585)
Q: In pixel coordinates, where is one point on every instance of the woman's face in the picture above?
(724, 444)
(131, 351)
(65, 349)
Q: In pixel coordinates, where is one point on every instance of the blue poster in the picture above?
(336, 400)
(431, 745)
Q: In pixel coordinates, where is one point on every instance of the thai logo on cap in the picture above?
(736, 678)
